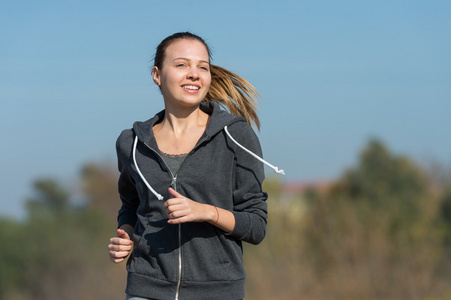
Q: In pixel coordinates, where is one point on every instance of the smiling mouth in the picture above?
(191, 87)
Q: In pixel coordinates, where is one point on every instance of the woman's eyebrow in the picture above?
(184, 58)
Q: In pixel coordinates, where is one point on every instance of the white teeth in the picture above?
(190, 87)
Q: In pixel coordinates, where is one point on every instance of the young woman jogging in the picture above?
(190, 181)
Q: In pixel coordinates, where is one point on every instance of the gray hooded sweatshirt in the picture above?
(191, 260)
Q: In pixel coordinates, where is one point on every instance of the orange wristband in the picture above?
(217, 211)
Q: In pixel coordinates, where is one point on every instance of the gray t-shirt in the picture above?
(173, 160)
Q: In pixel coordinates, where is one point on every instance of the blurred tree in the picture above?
(446, 205)
(59, 251)
(375, 234)
(99, 184)
(381, 176)
(11, 263)
(49, 199)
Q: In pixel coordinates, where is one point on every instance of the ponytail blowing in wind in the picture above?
(235, 93)
(228, 89)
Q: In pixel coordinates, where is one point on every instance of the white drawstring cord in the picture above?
(140, 174)
(276, 169)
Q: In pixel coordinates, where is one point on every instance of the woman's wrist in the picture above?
(214, 220)
(221, 218)
(212, 214)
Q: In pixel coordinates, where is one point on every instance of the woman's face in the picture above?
(185, 74)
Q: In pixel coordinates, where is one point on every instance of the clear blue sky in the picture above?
(332, 74)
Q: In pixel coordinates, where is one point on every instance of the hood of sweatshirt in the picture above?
(219, 121)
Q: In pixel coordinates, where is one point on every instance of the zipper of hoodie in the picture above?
(179, 231)
(174, 186)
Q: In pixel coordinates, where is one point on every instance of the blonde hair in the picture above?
(234, 93)
(229, 90)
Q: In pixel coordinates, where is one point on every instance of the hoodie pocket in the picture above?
(209, 255)
(155, 251)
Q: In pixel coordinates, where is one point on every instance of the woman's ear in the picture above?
(156, 76)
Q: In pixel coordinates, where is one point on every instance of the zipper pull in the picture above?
(174, 179)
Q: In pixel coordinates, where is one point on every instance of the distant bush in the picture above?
(378, 232)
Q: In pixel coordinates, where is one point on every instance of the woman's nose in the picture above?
(193, 74)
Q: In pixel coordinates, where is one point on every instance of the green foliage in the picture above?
(11, 233)
(49, 199)
(376, 233)
(446, 204)
(59, 251)
(100, 187)
(382, 178)
(389, 185)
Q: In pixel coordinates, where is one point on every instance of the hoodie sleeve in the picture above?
(250, 208)
(126, 185)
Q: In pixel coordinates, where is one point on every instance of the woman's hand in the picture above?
(119, 247)
(181, 209)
